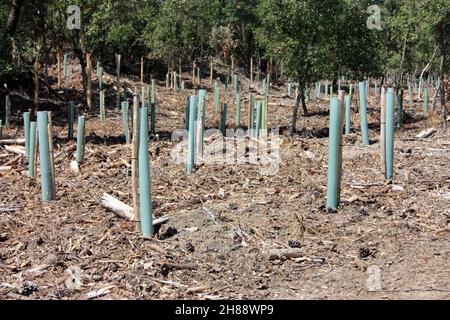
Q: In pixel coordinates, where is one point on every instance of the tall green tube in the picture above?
(363, 103)
(153, 117)
(348, 110)
(390, 130)
(238, 110)
(102, 106)
(31, 172)
(7, 110)
(26, 126)
(410, 93)
(145, 196)
(252, 113)
(80, 139)
(425, 101)
(126, 128)
(258, 119)
(187, 113)
(334, 154)
(65, 69)
(71, 119)
(223, 120)
(153, 91)
(191, 144)
(44, 156)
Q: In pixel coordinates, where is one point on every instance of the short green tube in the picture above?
(71, 119)
(44, 156)
(410, 94)
(26, 126)
(31, 162)
(80, 139)
(190, 165)
(326, 88)
(348, 111)
(102, 106)
(145, 196)
(390, 130)
(334, 155)
(153, 91)
(363, 103)
(65, 69)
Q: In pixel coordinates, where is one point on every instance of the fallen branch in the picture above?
(277, 254)
(123, 210)
(9, 142)
(427, 133)
(16, 149)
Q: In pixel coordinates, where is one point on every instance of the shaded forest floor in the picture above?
(228, 217)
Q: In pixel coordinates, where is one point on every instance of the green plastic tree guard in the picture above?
(238, 110)
(102, 107)
(65, 69)
(44, 156)
(348, 111)
(71, 120)
(80, 139)
(258, 119)
(145, 197)
(410, 94)
(390, 131)
(7, 110)
(153, 91)
(252, 113)
(363, 103)
(191, 143)
(26, 126)
(334, 155)
(31, 172)
(126, 128)
(326, 88)
(223, 120)
(289, 89)
(236, 84)
(187, 113)
(217, 96)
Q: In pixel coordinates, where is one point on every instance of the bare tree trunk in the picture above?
(13, 18)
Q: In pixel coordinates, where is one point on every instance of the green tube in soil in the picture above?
(65, 69)
(258, 119)
(31, 172)
(100, 78)
(217, 97)
(410, 94)
(187, 113)
(145, 196)
(238, 110)
(7, 110)
(425, 101)
(191, 143)
(44, 156)
(252, 113)
(334, 155)
(223, 120)
(102, 106)
(348, 111)
(71, 119)
(80, 139)
(326, 88)
(363, 114)
(153, 117)
(263, 114)
(390, 130)
(126, 128)
(289, 89)
(26, 126)
(153, 91)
